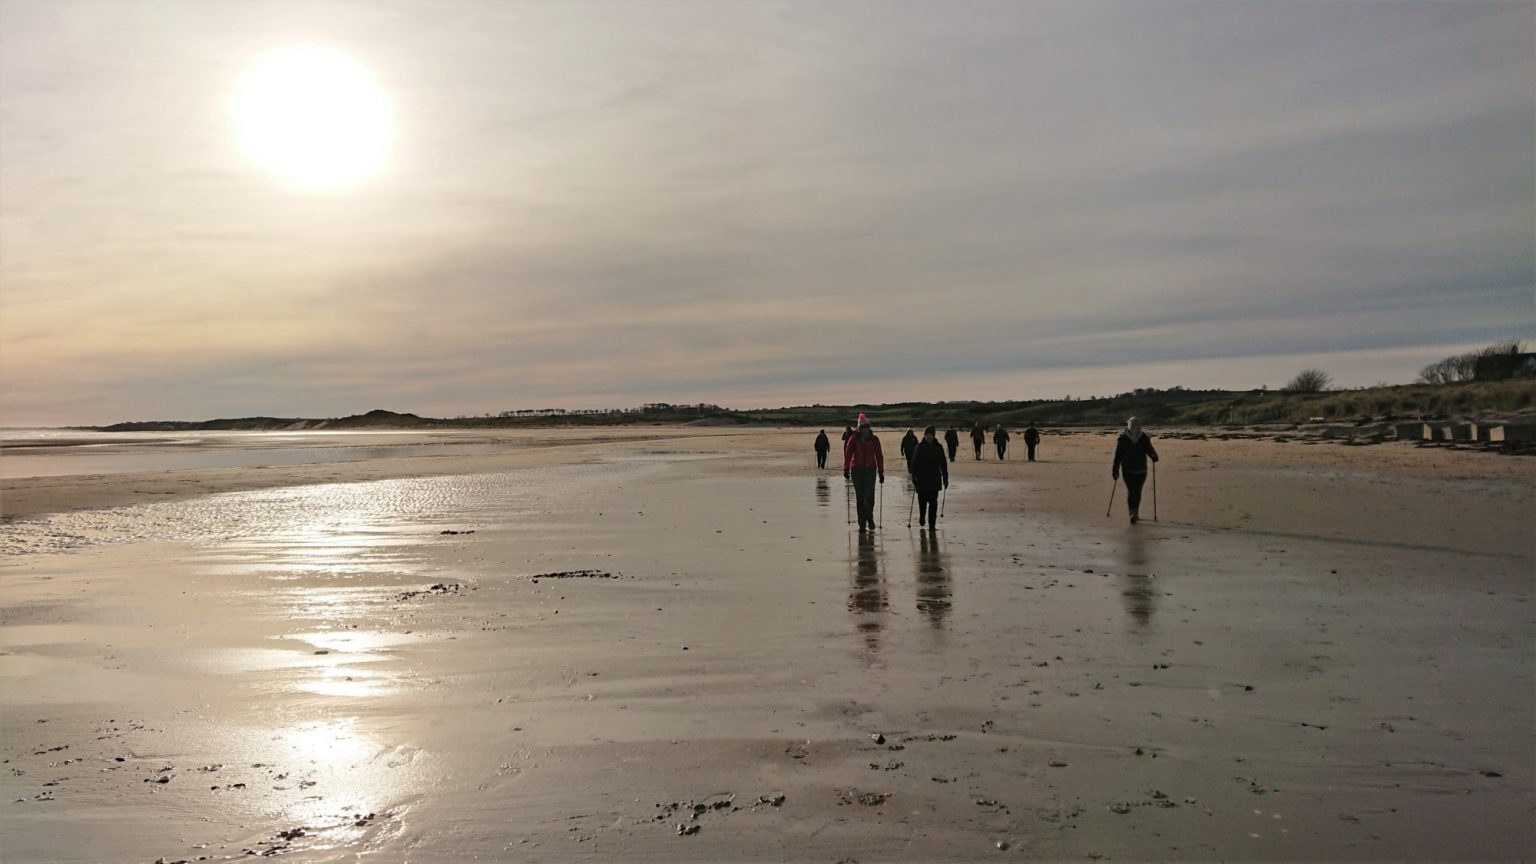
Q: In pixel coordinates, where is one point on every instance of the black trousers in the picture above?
(1031, 449)
(1133, 484)
(928, 507)
(978, 449)
(1002, 448)
(821, 458)
(952, 449)
(864, 495)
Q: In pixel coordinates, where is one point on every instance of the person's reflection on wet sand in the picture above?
(932, 580)
(867, 599)
(1136, 586)
(823, 493)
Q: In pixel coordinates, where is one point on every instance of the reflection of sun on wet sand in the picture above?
(1309, 656)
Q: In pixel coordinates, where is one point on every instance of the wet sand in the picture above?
(672, 648)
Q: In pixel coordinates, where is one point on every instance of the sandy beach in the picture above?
(666, 644)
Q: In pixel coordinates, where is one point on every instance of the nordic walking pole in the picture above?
(943, 497)
(1154, 491)
(1111, 497)
(911, 500)
(848, 501)
(882, 505)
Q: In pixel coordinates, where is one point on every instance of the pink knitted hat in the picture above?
(863, 421)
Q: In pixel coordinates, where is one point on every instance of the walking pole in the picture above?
(848, 500)
(1111, 497)
(943, 497)
(1154, 491)
(882, 505)
(913, 499)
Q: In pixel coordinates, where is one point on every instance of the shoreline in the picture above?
(28, 497)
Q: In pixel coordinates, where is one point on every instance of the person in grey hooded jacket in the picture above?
(1133, 448)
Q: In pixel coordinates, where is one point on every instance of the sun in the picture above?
(314, 116)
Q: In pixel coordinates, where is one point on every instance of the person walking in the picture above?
(863, 461)
(978, 438)
(822, 446)
(847, 433)
(1031, 440)
(908, 447)
(952, 439)
(1133, 448)
(930, 473)
(1000, 438)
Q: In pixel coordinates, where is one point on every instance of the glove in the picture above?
(1114, 475)
(946, 484)
(846, 475)
(882, 476)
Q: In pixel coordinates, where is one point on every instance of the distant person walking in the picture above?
(847, 433)
(1000, 438)
(930, 473)
(822, 446)
(978, 438)
(863, 461)
(1031, 440)
(1133, 448)
(952, 439)
(908, 447)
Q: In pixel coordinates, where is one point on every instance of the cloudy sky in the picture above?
(601, 204)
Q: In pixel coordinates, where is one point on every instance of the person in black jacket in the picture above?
(952, 439)
(1000, 438)
(1133, 448)
(1031, 440)
(822, 446)
(908, 447)
(930, 473)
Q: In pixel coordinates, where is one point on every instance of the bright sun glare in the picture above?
(313, 116)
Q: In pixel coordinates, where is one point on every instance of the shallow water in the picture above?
(298, 516)
(64, 453)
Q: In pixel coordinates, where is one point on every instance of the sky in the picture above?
(589, 204)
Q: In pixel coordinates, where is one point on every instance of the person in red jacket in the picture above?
(863, 461)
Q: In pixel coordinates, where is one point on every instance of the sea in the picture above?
(79, 452)
(324, 509)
